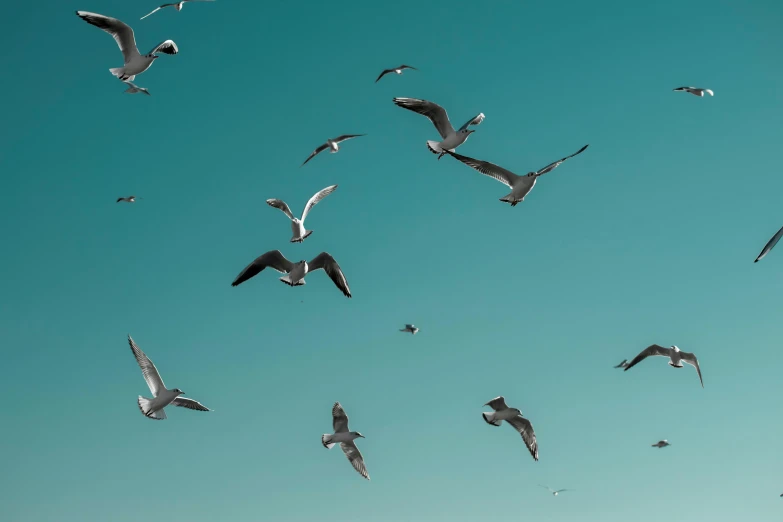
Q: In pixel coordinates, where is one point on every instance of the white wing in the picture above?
(167, 47)
(770, 245)
(189, 403)
(316, 198)
(273, 259)
(652, 350)
(525, 428)
(497, 404)
(329, 265)
(476, 120)
(504, 176)
(434, 112)
(552, 166)
(155, 10)
(148, 369)
(344, 137)
(279, 203)
(339, 418)
(121, 32)
(691, 359)
(355, 456)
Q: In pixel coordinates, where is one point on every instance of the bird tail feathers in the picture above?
(434, 147)
(326, 440)
(146, 408)
(304, 236)
(287, 280)
(490, 419)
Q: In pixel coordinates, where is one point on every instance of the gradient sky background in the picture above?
(647, 237)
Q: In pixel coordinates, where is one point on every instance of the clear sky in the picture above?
(647, 237)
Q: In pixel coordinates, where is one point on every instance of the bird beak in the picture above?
(471, 131)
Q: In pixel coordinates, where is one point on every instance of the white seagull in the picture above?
(397, 70)
(333, 144)
(133, 88)
(661, 444)
(178, 5)
(162, 397)
(622, 364)
(346, 439)
(770, 245)
(135, 63)
(297, 225)
(437, 115)
(676, 358)
(410, 328)
(514, 417)
(295, 272)
(129, 199)
(696, 91)
(553, 491)
(520, 185)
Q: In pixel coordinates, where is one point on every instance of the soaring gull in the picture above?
(129, 199)
(696, 91)
(397, 70)
(437, 115)
(295, 272)
(770, 245)
(514, 417)
(410, 328)
(520, 185)
(135, 63)
(553, 491)
(297, 224)
(178, 5)
(162, 397)
(333, 144)
(346, 439)
(676, 358)
(661, 444)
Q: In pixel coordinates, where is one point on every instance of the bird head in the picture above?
(517, 411)
(468, 131)
(178, 391)
(358, 434)
(675, 349)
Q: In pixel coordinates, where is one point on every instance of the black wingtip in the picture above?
(756, 261)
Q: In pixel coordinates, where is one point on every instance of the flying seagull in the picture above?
(346, 439)
(129, 199)
(333, 144)
(135, 63)
(178, 5)
(410, 328)
(520, 185)
(676, 358)
(297, 225)
(162, 397)
(295, 272)
(437, 115)
(696, 91)
(661, 444)
(770, 245)
(397, 70)
(622, 364)
(514, 417)
(133, 89)
(554, 492)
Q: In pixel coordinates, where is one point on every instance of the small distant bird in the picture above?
(178, 5)
(297, 225)
(135, 63)
(437, 115)
(295, 272)
(554, 492)
(676, 358)
(622, 364)
(133, 89)
(520, 185)
(410, 328)
(661, 444)
(397, 70)
(333, 144)
(162, 397)
(346, 439)
(514, 417)
(129, 199)
(696, 91)
(770, 245)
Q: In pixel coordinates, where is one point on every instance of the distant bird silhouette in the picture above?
(397, 70)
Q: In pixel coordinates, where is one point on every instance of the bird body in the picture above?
(129, 199)
(696, 91)
(675, 355)
(295, 272)
(299, 233)
(661, 444)
(515, 419)
(410, 328)
(345, 438)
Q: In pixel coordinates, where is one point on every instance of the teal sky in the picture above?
(647, 237)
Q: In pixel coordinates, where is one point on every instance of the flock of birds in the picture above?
(295, 272)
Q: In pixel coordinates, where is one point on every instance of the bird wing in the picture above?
(504, 176)
(355, 456)
(148, 369)
(653, 349)
(320, 149)
(166, 46)
(120, 199)
(684, 89)
(497, 404)
(476, 120)
(344, 137)
(552, 166)
(403, 67)
(770, 245)
(121, 32)
(434, 112)
(316, 198)
(546, 487)
(329, 265)
(339, 418)
(560, 490)
(410, 326)
(273, 259)
(691, 359)
(622, 363)
(189, 404)
(155, 10)
(279, 203)
(384, 73)
(523, 426)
